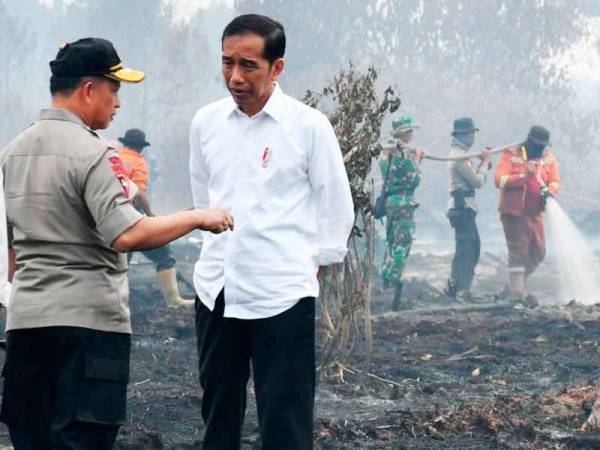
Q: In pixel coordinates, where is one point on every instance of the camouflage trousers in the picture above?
(400, 229)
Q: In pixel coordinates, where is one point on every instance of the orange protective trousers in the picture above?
(525, 241)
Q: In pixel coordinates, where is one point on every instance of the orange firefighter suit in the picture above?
(136, 167)
(522, 204)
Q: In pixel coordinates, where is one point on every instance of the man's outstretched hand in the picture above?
(216, 220)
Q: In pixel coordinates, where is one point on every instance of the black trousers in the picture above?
(65, 388)
(467, 250)
(282, 351)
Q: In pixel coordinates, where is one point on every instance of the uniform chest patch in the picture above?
(120, 172)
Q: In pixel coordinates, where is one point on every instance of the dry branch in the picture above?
(356, 117)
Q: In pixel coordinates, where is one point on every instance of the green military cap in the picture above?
(404, 123)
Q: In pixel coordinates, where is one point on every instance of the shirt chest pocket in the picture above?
(276, 166)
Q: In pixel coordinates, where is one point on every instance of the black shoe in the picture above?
(450, 290)
(464, 297)
(396, 304)
(504, 294)
(530, 302)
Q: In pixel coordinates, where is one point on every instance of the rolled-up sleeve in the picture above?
(330, 186)
(198, 171)
(107, 199)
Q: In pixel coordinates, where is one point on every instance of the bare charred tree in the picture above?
(356, 117)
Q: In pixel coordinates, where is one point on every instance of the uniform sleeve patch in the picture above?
(120, 172)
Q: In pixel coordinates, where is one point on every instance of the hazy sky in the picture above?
(182, 8)
(584, 62)
(203, 61)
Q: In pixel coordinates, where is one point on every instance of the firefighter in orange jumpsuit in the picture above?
(132, 156)
(526, 176)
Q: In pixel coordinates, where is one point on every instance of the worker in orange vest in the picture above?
(136, 168)
(527, 176)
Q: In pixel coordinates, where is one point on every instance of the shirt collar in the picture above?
(60, 114)
(274, 107)
(63, 114)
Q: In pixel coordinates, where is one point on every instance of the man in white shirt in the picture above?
(276, 165)
(4, 269)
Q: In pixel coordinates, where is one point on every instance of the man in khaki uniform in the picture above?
(68, 204)
(465, 179)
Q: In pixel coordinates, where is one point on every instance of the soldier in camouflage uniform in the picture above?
(400, 183)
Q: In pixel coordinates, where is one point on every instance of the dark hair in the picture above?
(67, 85)
(269, 29)
(64, 85)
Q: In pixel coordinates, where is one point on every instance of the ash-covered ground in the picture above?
(444, 375)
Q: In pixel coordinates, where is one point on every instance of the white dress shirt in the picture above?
(282, 176)
(4, 284)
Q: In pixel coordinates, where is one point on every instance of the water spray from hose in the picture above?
(577, 264)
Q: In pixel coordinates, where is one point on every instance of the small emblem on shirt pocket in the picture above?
(266, 156)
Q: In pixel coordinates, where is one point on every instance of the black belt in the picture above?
(459, 197)
(461, 193)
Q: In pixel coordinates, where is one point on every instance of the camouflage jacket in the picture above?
(403, 178)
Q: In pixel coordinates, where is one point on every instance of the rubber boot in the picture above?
(167, 280)
(516, 288)
(516, 284)
(396, 305)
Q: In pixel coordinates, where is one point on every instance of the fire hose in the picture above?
(426, 155)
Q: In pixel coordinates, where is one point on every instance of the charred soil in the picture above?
(443, 375)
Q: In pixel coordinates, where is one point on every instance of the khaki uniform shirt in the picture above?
(67, 201)
(464, 176)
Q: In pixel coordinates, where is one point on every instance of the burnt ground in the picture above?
(441, 378)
